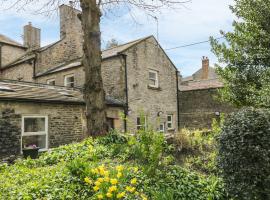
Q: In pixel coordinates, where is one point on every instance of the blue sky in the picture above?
(194, 22)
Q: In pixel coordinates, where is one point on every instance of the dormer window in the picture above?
(69, 80)
(153, 78)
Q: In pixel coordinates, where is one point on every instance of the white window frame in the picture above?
(156, 79)
(50, 80)
(45, 132)
(170, 122)
(65, 80)
(140, 126)
(163, 129)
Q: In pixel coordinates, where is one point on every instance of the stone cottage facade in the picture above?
(47, 116)
(138, 73)
(198, 103)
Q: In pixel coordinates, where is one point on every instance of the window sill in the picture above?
(154, 88)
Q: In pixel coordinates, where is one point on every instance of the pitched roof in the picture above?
(120, 48)
(201, 85)
(8, 40)
(23, 58)
(114, 51)
(25, 91)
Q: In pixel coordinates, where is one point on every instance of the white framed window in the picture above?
(162, 127)
(153, 78)
(51, 81)
(140, 123)
(170, 122)
(35, 131)
(69, 80)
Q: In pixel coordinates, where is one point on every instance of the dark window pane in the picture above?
(34, 124)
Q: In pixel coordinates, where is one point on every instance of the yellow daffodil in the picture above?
(119, 175)
(88, 180)
(135, 169)
(97, 183)
(109, 195)
(96, 188)
(107, 179)
(100, 196)
(100, 180)
(143, 197)
(112, 189)
(120, 195)
(94, 171)
(119, 168)
(133, 181)
(106, 173)
(130, 189)
(114, 181)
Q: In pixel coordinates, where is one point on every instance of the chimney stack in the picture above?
(69, 21)
(31, 36)
(205, 67)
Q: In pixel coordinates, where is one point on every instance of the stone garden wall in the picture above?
(199, 107)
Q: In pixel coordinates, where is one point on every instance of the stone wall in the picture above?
(10, 133)
(69, 47)
(59, 76)
(11, 53)
(113, 75)
(141, 58)
(199, 107)
(66, 123)
(22, 72)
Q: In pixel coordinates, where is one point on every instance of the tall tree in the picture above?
(246, 54)
(90, 19)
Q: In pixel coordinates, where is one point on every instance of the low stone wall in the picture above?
(10, 133)
(199, 107)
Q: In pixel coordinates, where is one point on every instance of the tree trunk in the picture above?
(94, 94)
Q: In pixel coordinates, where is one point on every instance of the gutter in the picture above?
(126, 91)
(177, 96)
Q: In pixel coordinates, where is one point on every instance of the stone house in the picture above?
(138, 73)
(198, 104)
(47, 116)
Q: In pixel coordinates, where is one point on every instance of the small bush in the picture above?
(175, 182)
(244, 154)
(147, 148)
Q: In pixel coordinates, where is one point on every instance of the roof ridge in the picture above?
(137, 40)
(42, 85)
(10, 40)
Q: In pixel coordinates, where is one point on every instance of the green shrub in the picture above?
(148, 149)
(244, 154)
(175, 182)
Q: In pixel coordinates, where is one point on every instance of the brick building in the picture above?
(138, 73)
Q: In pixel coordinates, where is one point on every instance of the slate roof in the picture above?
(211, 75)
(120, 48)
(32, 92)
(114, 51)
(8, 40)
(201, 85)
